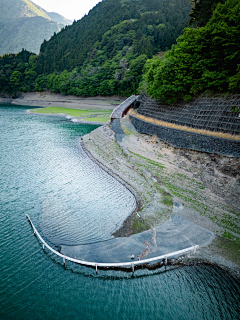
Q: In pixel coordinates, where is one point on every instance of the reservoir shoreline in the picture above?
(125, 230)
(221, 252)
(130, 163)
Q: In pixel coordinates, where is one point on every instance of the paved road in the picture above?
(119, 133)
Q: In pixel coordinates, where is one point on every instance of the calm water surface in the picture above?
(44, 173)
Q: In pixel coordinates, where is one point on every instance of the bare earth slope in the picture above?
(197, 186)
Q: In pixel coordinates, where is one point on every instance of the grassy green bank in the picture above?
(93, 115)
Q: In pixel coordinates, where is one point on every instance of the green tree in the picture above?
(204, 59)
(202, 11)
(16, 80)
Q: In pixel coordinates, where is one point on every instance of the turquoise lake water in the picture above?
(45, 174)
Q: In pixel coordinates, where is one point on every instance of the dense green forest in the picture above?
(17, 72)
(202, 11)
(24, 24)
(106, 52)
(101, 54)
(161, 21)
(205, 59)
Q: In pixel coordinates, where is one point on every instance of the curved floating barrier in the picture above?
(95, 265)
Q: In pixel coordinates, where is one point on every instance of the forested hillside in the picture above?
(104, 52)
(25, 25)
(160, 21)
(205, 59)
(27, 33)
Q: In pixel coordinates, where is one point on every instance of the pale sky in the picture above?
(70, 9)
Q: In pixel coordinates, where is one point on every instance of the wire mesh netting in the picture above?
(215, 114)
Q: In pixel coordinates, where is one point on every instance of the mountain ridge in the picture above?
(23, 24)
(101, 54)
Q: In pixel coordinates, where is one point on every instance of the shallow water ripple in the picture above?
(69, 197)
(45, 174)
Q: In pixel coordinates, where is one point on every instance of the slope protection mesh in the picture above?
(214, 114)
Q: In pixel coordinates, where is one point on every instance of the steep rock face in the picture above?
(25, 25)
